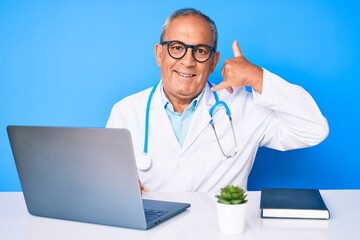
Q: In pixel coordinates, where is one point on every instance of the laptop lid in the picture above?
(82, 174)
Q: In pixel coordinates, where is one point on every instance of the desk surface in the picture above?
(199, 222)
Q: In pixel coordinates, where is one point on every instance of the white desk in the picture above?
(199, 222)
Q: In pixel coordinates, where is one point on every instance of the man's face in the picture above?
(184, 78)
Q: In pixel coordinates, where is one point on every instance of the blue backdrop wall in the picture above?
(65, 63)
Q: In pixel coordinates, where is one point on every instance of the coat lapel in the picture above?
(200, 120)
(163, 122)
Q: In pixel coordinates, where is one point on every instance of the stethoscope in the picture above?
(144, 162)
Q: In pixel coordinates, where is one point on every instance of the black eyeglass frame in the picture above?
(193, 47)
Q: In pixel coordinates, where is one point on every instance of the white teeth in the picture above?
(185, 75)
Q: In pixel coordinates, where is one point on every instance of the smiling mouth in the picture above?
(185, 75)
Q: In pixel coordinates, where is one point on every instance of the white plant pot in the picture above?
(231, 218)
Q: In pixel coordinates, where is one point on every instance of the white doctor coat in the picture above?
(283, 117)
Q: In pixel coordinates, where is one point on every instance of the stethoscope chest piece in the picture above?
(143, 163)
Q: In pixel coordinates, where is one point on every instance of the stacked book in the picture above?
(293, 203)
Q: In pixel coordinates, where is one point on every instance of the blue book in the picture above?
(293, 203)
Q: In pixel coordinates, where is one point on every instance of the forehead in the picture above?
(190, 30)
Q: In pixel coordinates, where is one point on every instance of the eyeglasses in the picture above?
(200, 52)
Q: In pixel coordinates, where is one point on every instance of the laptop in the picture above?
(86, 175)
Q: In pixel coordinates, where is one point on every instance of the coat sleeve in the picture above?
(296, 119)
(129, 112)
(114, 120)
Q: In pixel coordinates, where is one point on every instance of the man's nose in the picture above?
(188, 59)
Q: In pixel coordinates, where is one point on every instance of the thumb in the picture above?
(236, 49)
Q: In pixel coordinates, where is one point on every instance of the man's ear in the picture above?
(158, 53)
(215, 61)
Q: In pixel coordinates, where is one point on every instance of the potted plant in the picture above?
(231, 209)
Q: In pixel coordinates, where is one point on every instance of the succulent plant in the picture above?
(232, 194)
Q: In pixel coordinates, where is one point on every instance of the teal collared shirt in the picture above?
(180, 122)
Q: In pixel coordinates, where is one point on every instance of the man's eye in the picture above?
(178, 48)
(201, 51)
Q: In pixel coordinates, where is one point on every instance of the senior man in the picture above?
(190, 135)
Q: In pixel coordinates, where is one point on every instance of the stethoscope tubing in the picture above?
(147, 113)
(146, 160)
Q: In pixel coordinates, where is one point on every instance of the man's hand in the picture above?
(141, 186)
(238, 72)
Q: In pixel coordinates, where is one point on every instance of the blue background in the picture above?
(65, 63)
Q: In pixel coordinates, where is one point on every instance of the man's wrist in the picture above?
(258, 80)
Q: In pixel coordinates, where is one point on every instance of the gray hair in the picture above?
(190, 12)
